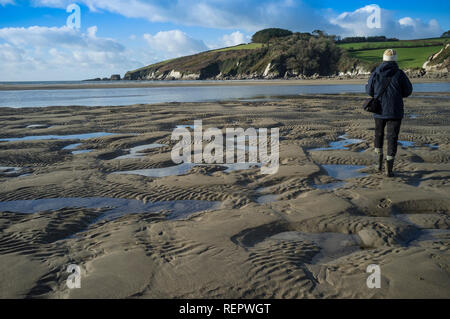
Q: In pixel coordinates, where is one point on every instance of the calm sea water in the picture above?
(128, 96)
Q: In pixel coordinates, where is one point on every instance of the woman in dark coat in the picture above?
(391, 100)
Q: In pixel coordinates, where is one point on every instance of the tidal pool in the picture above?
(81, 152)
(330, 186)
(339, 145)
(342, 173)
(74, 146)
(182, 169)
(117, 206)
(186, 126)
(136, 152)
(267, 199)
(58, 137)
(433, 146)
(7, 170)
(160, 172)
(15, 172)
(37, 126)
(406, 143)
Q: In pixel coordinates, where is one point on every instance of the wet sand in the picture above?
(300, 233)
(161, 84)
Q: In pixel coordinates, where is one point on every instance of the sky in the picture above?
(40, 40)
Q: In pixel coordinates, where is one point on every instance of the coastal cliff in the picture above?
(439, 63)
(299, 56)
(295, 56)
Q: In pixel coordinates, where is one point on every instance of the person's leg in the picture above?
(379, 141)
(380, 124)
(393, 132)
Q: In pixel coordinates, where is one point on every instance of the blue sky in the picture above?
(120, 35)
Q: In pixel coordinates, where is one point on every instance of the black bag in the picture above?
(373, 105)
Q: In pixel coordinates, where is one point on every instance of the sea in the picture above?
(151, 95)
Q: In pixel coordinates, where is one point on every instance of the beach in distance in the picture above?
(61, 85)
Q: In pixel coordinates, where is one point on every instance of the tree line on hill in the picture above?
(267, 35)
(366, 39)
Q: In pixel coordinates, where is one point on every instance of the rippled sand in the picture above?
(304, 239)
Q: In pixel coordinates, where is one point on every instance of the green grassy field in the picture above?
(408, 58)
(395, 44)
(360, 46)
(249, 46)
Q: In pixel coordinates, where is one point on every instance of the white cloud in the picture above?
(174, 43)
(355, 24)
(11, 54)
(229, 40)
(92, 31)
(418, 28)
(37, 52)
(254, 15)
(234, 38)
(38, 36)
(250, 15)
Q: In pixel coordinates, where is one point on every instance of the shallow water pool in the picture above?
(57, 137)
(339, 145)
(136, 152)
(117, 206)
(343, 172)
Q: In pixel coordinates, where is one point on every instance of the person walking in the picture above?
(394, 85)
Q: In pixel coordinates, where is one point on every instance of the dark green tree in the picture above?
(266, 35)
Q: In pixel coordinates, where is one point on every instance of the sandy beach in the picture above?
(162, 84)
(309, 231)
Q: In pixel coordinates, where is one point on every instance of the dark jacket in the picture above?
(392, 99)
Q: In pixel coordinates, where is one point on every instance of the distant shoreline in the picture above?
(162, 84)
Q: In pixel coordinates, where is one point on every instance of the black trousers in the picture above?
(393, 131)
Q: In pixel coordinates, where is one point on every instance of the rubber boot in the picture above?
(380, 163)
(390, 168)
